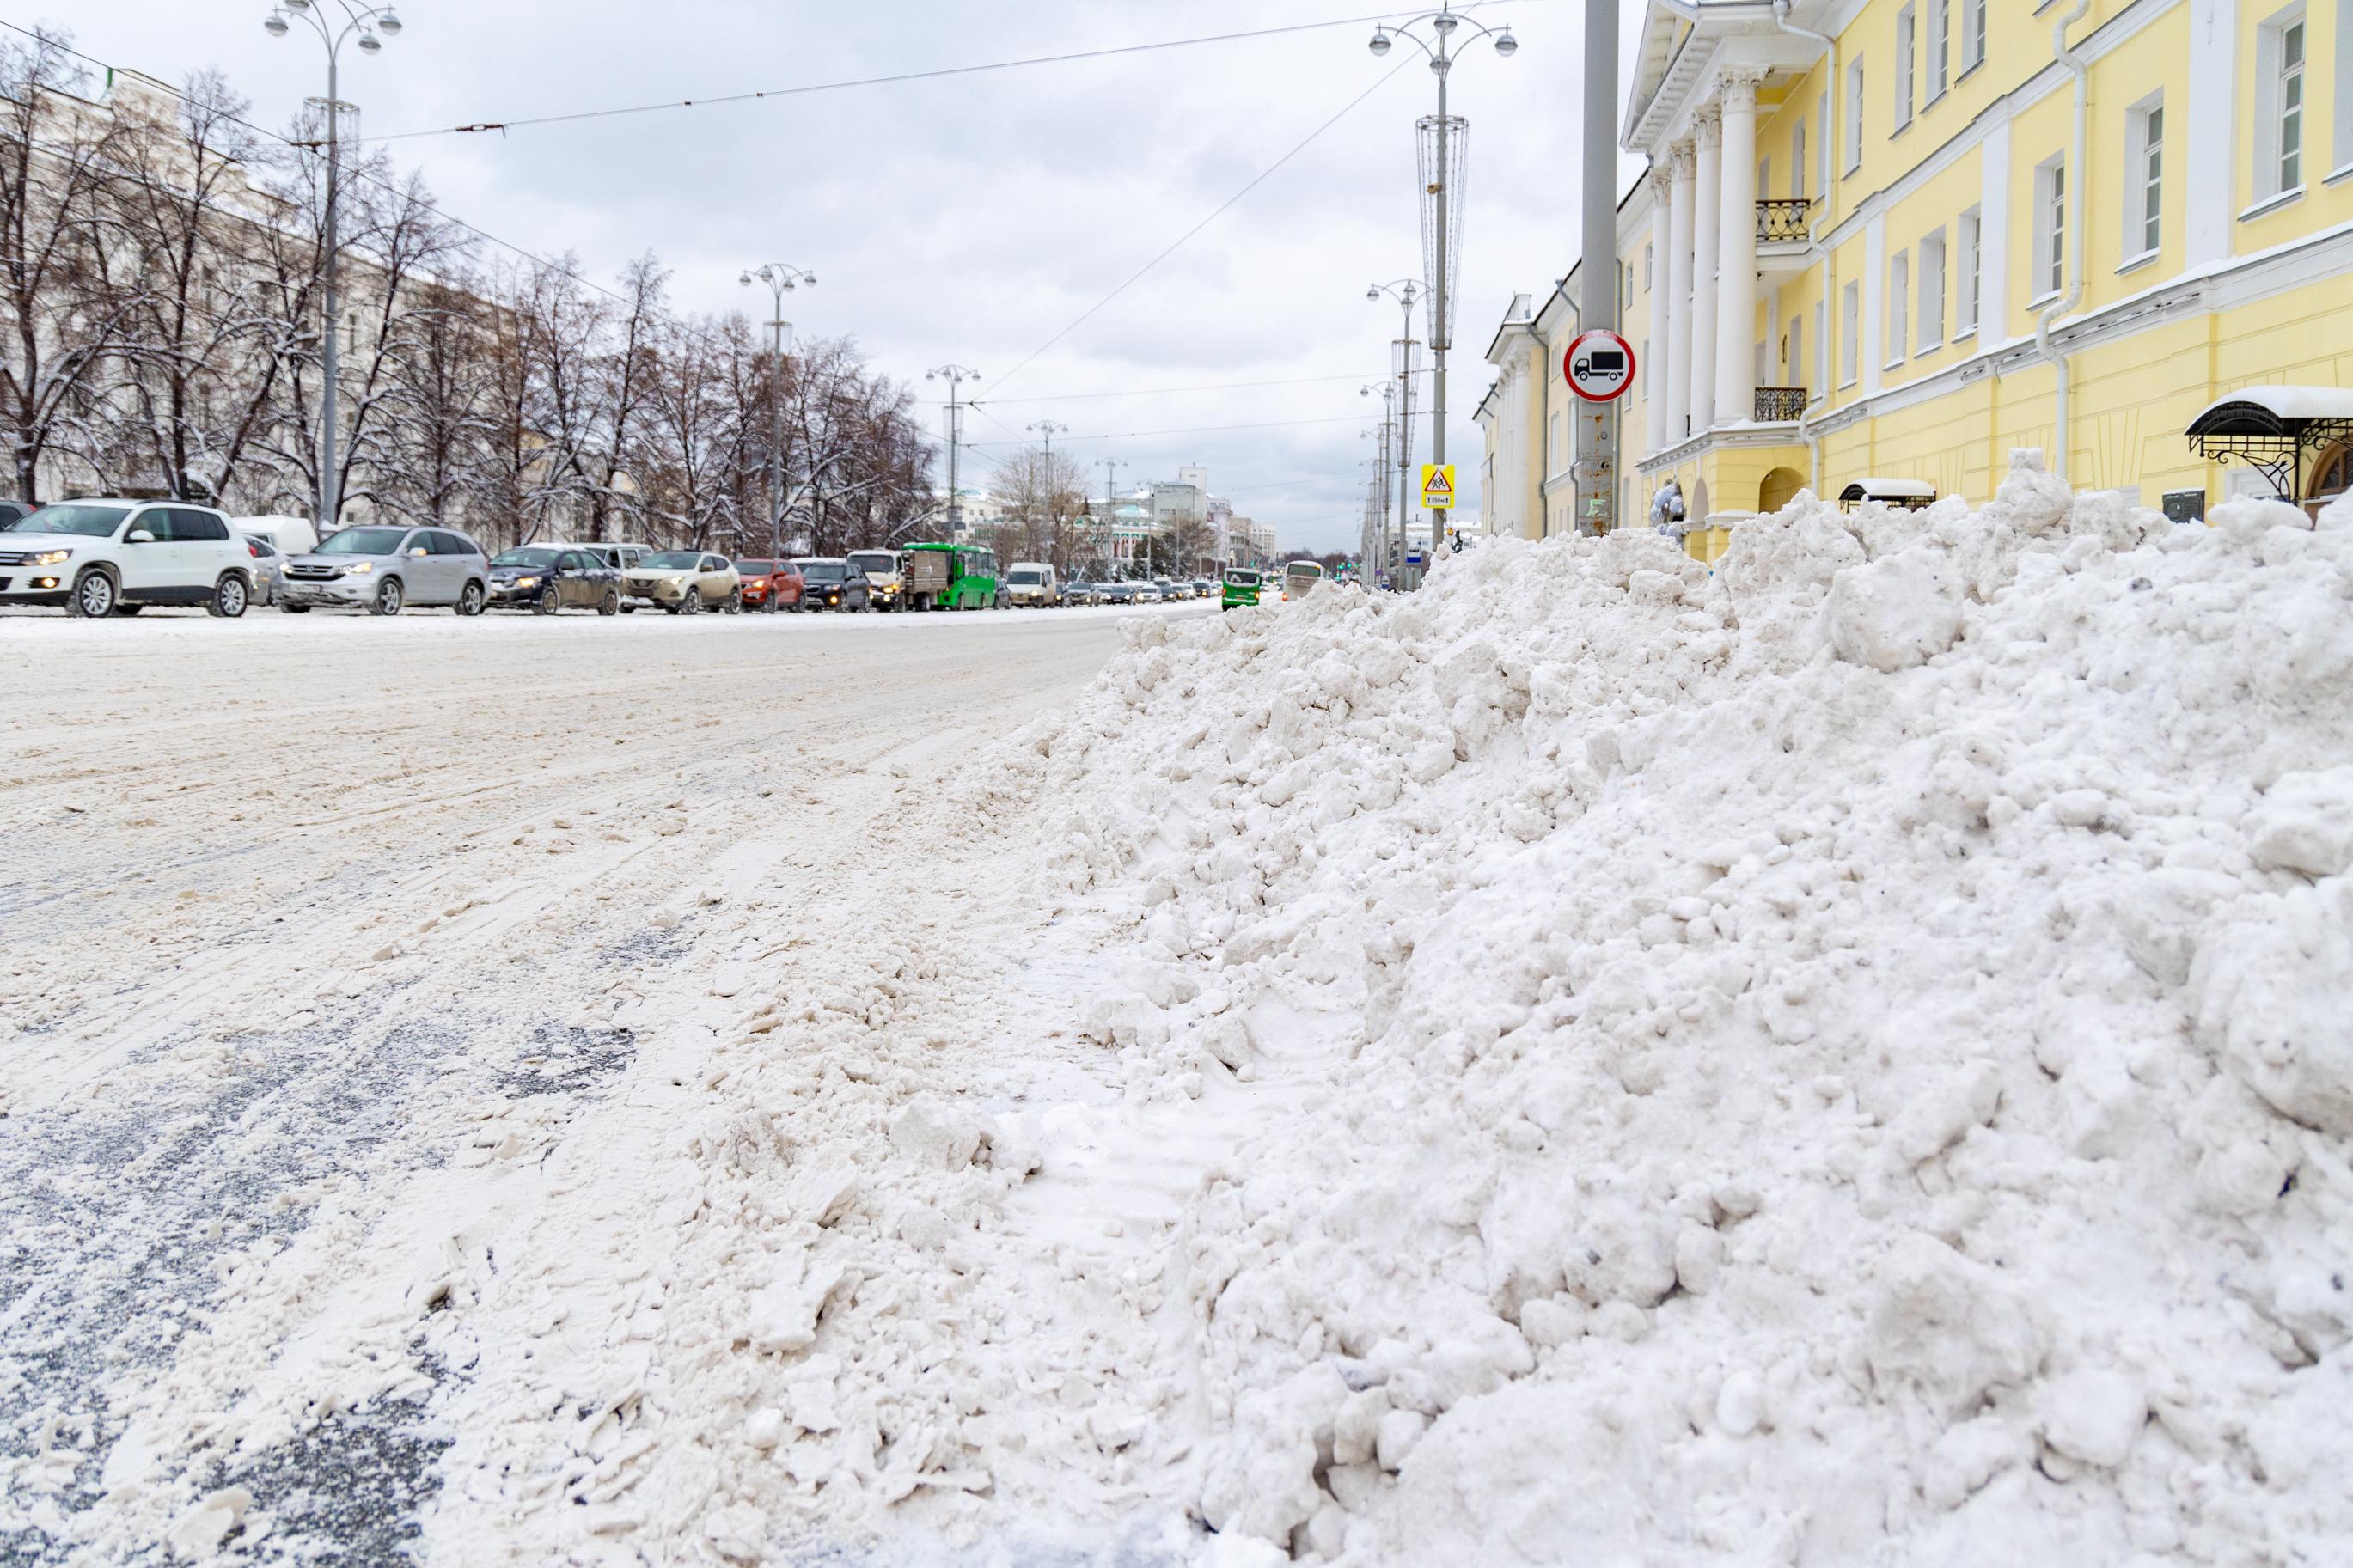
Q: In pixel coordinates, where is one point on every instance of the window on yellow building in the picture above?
(2050, 227)
(1850, 333)
(1899, 294)
(1964, 298)
(1932, 291)
(1798, 163)
(1906, 53)
(1940, 46)
(1650, 259)
(1854, 115)
(1822, 127)
(2144, 176)
(2279, 104)
(1795, 375)
(1973, 35)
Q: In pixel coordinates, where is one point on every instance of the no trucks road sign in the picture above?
(1598, 366)
(1437, 486)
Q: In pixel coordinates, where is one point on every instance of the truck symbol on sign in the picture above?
(1608, 365)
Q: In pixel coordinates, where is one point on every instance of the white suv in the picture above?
(103, 557)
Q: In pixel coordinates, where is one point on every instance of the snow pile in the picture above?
(1840, 1058)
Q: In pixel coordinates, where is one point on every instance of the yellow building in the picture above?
(1896, 238)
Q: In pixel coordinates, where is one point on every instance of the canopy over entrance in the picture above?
(1909, 494)
(2272, 429)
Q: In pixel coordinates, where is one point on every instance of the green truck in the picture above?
(949, 577)
(1242, 586)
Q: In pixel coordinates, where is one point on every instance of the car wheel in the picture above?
(93, 594)
(550, 600)
(229, 598)
(610, 605)
(470, 600)
(691, 602)
(387, 599)
(735, 605)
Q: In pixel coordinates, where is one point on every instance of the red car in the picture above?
(770, 585)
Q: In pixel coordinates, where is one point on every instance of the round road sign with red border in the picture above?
(1598, 366)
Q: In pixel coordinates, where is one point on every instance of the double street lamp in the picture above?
(781, 281)
(1441, 143)
(371, 25)
(1406, 292)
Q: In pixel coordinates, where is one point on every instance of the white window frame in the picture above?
(1973, 35)
(1796, 368)
(1854, 84)
(2144, 190)
(1930, 324)
(1765, 177)
(1825, 140)
(1970, 274)
(1940, 48)
(1798, 158)
(1649, 263)
(2340, 150)
(1552, 447)
(1896, 328)
(2272, 77)
(1850, 333)
(2049, 230)
(1907, 63)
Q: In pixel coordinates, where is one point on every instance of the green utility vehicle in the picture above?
(1242, 586)
(949, 577)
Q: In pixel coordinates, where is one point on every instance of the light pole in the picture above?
(1048, 430)
(372, 25)
(1381, 463)
(1441, 142)
(781, 281)
(1406, 292)
(1112, 466)
(954, 374)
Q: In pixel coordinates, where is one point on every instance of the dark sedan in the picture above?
(1122, 592)
(829, 582)
(545, 578)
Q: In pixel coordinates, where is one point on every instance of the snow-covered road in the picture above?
(450, 1066)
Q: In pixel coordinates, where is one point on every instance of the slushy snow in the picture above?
(1840, 1057)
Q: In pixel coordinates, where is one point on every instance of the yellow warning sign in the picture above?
(1437, 486)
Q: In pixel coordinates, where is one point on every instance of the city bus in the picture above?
(949, 577)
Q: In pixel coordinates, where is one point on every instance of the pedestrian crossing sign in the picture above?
(1437, 486)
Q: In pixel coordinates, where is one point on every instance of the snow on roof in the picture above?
(1889, 490)
(2264, 410)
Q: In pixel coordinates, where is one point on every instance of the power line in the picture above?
(1189, 430)
(895, 78)
(1256, 181)
(1168, 390)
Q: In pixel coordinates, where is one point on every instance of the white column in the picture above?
(1677, 391)
(1707, 222)
(2213, 139)
(1654, 377)
(1735, 362)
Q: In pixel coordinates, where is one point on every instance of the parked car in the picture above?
(1032, 585)
(769, 585)
(547, 578)
(831, 582)
(110, 555)
(10, 510)
(1243, 586)
(619, 557)
(383, 568)
(269, 569)
(1124, 592)
(684, 582)
(886, 576)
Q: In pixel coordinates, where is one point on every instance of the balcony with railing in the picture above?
(1780, 404)
(1780, 220)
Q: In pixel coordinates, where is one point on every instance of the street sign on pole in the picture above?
(1598, 366)
(1437, 486)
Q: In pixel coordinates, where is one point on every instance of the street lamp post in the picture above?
(954, 374)
(781, 281)
(1406, 292)
(1381, 465)
(371, 25)
(1048, 430)
(1443, 140)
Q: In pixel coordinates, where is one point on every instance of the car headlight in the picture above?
(359, 568)
(526, 582)
(50, 558)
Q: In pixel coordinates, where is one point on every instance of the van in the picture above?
(1031, 583)
(286, 535)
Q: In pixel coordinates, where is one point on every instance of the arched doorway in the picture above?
(1695, 507)
(1781, 487)
(2332, 476)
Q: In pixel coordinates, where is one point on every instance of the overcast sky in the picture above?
(972, 218)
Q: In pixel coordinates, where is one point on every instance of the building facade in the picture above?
(1898, 238)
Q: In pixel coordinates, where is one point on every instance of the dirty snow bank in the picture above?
(1841, 1058)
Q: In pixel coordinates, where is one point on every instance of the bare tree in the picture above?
(439, 404)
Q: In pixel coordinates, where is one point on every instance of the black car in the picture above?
(14, 511)
(830, 583)
(545, 578)
(1121, 593)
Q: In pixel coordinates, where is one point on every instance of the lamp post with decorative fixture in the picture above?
(1406, 292)
(371, 25)
(1442, 140)
(781, 281)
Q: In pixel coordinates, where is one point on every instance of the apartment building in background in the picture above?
(1881, 243)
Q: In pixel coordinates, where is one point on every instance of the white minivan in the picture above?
(104, 556)
(1031, 583)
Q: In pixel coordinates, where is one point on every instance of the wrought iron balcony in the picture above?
(1782, 218)
(1780, 404)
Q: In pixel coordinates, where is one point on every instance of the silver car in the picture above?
(383, 568)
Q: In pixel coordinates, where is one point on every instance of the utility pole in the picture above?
(781, 281)
(1596, 467)
(1048, 430)
(1110, 502)
(954, 374)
